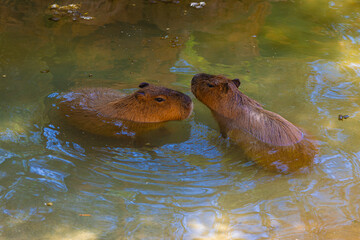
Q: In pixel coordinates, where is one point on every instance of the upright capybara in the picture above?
(267, 138)
(108, 112)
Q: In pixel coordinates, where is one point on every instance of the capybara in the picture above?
(267, 138)
(108, 112)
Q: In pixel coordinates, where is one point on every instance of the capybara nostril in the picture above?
(187, 100)
(188, 104)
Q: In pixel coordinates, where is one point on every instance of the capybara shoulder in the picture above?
(93, 108)
(256, 129)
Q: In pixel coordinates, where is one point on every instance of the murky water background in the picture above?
(298, 58)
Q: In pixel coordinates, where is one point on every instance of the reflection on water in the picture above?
(192, 183)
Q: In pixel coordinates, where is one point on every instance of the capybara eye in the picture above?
(210, 85)
(159, 99)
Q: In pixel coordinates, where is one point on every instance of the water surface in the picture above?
(298, 58)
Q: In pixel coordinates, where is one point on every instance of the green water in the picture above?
(298, 58)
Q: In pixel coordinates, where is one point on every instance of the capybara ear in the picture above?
(237, 82)
(140, 95)
(144, 84)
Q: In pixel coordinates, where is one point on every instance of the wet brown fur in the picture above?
(108, 112)
(269, 139)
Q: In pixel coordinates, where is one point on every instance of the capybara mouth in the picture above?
(190, 107)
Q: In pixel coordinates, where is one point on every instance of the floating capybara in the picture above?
(108, 112)
(267, 138)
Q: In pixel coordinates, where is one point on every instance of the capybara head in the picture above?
(153, 104)
(215, 91)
